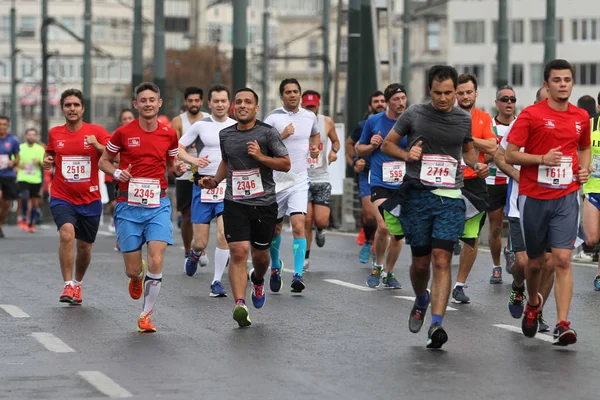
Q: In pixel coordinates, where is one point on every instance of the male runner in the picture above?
(300, 134)
(516, 245)
(143, 212)
(319, 189)
(555, 136)
(250, 151)
(9, 159)
(193, 99)
(29, 177)
(207, 204)
(385, 176)
(432, 211)
(484, 142)
(74, 150)
(361, 167)
(497, 182)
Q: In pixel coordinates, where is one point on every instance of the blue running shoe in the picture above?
(597, 284)
(543, 325)
(516, 302)
(375, 277)
(240, 314)
(390, 281)
(298, 284)
(258, 291)
(275, 282)
(191, 263)
(365, 253)
(216, 290)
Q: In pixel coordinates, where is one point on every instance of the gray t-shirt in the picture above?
(243, 169)
(442, 133)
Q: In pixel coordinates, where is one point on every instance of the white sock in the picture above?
(496, 266)
(75, 282)
(69, 283)
(384, 274)
(198, 252)
(459, 284)
(221, 257)
(152, 284)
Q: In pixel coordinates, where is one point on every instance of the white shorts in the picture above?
(293, 200)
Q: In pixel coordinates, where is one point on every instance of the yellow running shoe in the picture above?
(136, 285)
(145, 324)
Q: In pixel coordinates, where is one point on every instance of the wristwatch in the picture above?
(335, 150)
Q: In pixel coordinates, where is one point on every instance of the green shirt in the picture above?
(28, 171)
(593, 183)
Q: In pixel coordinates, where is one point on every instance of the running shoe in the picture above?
(23, 225)
(516, 301)
(496, 276)
(111, 228)
(459, 296)
(203, 259)
(240, 314)
(77, 294)
(564, 335)
(436, 336)
(509, 258)
(136, 285)
(276, 282)
(117, 246)
(374, 278)
(320, 238)
(530, 323)
(543, 325)
(67, 294)
(306, 265)
(258, 291)
(390, 281)
(597, 284)
(216, 290)
(360, 239)
(297, 284)
(191, 263)
(31, 229)
(365, 253)
(145, 323)
(417, 315)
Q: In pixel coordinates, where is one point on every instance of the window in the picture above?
(313, 53)
(4, 27)
(125, 30)
(537, 74)
(585, 30)
(177, 24)
(469, 32)
(99, 29)
(538, 30)
(517, 31)
(516, 74)
(26, 67)
(433, 37)
(587, 73)
(4, 69)
(214, 33)
(27, 28)
(476, 69)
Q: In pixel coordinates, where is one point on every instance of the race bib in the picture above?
(76, 168)
(315, 163)
(246, 184)
(29, 169)
(144, 192)
(438, 170)
(215, 195)
(596, 166)
(393, 172)
(4, 161)
(556, 177)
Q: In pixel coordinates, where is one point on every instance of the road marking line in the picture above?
(516, 329)
(52, 343)
(349, 285)
(104, 233)
(448, 308)
(14, 311)
(104, 384)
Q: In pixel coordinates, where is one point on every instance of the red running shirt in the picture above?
(147, 152)
(539, 129)
(76, 178)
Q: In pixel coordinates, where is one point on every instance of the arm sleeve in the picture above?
(366, 135)
(519, 133)
(113, 146)
(190, 136)
(314, 130)
(403, 124)
(276, 145)
(585, 139)
(174, 146)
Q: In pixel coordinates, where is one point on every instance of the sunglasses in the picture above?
(506, 99)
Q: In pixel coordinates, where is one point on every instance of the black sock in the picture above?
(307, 254)
(369, 231)
(319, 230)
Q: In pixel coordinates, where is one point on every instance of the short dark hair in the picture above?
(217, 88)
(505, 87)
(464, 78)
(31, 129)
(247, 89)
(125, 110)
(376, 93)
(313, 92)
(598, 98)
(588, 103)
(146, 86)
(392, 89)
(287, 81)
(5, 117)
(538, 95)
(558, 64)
(193, 90)
(441, 73)
(71, 92)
